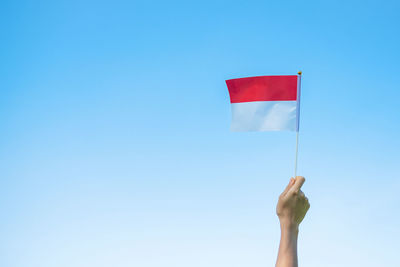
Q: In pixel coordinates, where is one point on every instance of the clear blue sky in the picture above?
(115, 147)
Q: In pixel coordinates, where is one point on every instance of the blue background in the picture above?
(115, 147)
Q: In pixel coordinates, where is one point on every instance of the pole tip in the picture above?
(299, 73)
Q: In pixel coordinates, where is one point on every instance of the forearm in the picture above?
(287, 255)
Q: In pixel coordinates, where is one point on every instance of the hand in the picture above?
(293, 204)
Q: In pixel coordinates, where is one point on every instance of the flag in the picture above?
(265, 103)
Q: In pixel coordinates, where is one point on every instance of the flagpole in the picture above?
(297, 122)
(297, 152)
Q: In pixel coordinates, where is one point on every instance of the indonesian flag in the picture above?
(265, 103)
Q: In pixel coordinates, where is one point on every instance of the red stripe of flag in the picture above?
(263, 88)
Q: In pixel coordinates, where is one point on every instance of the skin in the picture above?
(291, 208)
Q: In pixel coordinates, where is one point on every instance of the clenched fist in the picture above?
(293, 204)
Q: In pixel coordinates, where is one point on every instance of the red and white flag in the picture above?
(265, 103)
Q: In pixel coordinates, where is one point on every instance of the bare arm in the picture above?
(291, 209)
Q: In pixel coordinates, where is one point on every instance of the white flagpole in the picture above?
(297, 151)
(297, 121)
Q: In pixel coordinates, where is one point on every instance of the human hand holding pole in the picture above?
(291, 208)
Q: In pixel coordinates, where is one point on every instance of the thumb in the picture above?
(291, 183)
(298, 183)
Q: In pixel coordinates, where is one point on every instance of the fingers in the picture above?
(291, 183)
(302, 197)
(298, 183)
(307, 203)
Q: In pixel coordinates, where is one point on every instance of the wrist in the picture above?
(289, 227)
